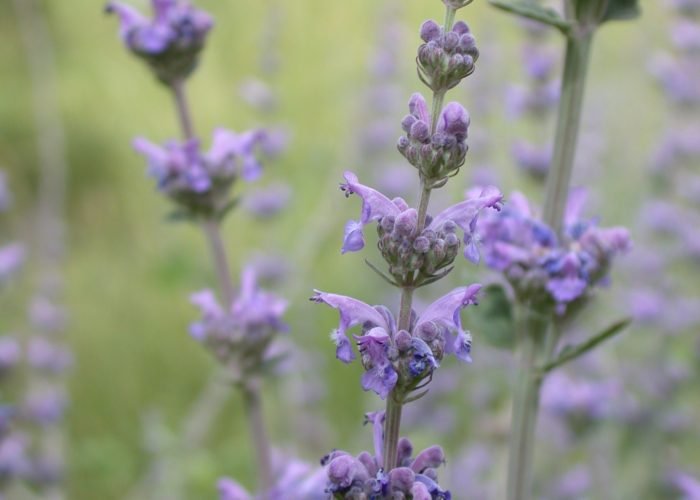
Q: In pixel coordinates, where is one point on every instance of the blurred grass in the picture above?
(129, 273)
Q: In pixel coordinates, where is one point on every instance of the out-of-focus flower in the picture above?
(577, 397)
(44, 355)
(201, 182)
(171, 41)
(390, 356)
(532, 159)
(542, 266)
(11, 259)
(45, 405)
(686, 484)
(9, 353)
(363, 476)
(239, 335)
(267, 202)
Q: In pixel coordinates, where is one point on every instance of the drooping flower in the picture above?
(543, 266)
(171, 41)
(364, 477)
(390, 356)
(201, 182)
(243, 331)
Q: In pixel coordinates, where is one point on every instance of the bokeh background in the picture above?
(129, 271)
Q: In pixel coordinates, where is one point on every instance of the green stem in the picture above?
(568, 122)
(532, 328)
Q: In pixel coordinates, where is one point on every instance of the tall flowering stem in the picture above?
(569, 276)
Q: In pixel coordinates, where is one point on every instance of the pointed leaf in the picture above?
(384, 276)
(534, 11)
(493, 320)
(621, 10)
(571, 352)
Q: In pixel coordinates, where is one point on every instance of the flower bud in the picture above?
(401, 479)
(430, 30)
(421, 244)
(428, 331)
(342, 471)
(420, 131)
(406, 222)
(429, 458)
(403, 340)
(404, 451)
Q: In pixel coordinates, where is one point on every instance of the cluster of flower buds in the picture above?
(417, 257)
(394, 357)
(170, 42)
(437, 154)
(199, 182)
(363, 476)
(446, 57)
(542, 267)
(240, 335)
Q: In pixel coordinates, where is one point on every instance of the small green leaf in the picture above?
(384, 276)
(534, 11)
(493, 319)
(571, 352)
(621, 10)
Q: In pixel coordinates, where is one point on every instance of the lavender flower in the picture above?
(170, 42)
(406, 251)
(364, 476)
(392, 357)
(539, 265)
(201, 182)
(240, 335)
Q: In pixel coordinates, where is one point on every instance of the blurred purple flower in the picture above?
(267, 202)
(11, 259)
(170, 41)
(9, 353)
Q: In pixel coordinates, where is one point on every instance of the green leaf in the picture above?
(534, 11)
(621, 10)
(384, 276)
(493, 319)
(571, 352)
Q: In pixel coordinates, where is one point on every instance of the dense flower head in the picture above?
(542, 266)
(440, 154)
(171, 41)
(394, 357)
(445, 58)
(364, 476)
(240, 335)
(408, 250)
(200, 182)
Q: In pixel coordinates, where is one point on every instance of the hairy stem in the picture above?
(531, 331)
(183, 110)
(260, 439)
(568, 122)
(218, 253)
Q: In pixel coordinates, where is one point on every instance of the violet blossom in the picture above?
(407, 357)
(171, 41)
(540, 265)
(201, 181)
(240, 335)
(403, 248)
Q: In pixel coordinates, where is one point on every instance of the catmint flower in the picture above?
(44, 355)
(440, 155)
(444, 59)
(363, 476)
(386, 354)
(11, 259)
(9, 353)
(45, 405)
(539, 265)
(170, 42)
(201, 182)
(267, 202)
(575, 398)
(532, 159)
(405, 250)
(240, 334)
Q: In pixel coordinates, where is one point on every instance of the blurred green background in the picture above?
(129, 272)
